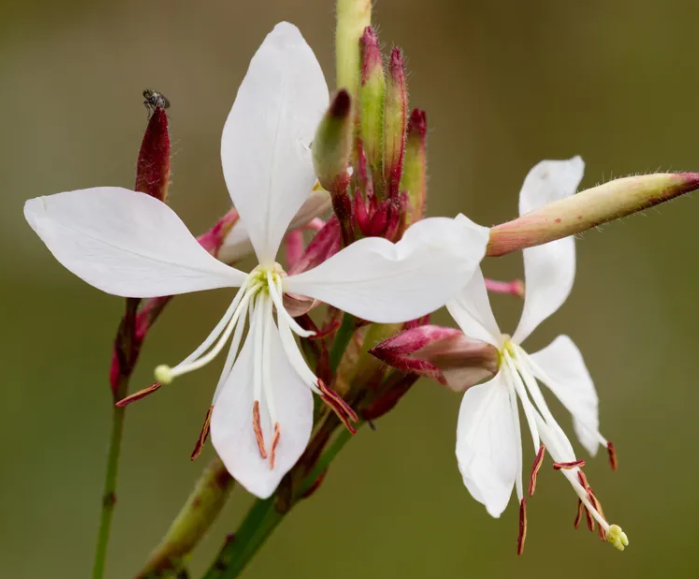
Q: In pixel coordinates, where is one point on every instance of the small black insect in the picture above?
(154, 100)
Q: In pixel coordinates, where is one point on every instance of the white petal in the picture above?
(471, 310)
(385, 282)
(232, 421)
(549, 270)
(126, 243)
(561, 367)
(266, 141)
(487, 444)
(237, 244)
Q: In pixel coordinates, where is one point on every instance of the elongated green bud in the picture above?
(588, 209)
(395, 113)
(414, 178)
(371, 102)
(332, 145)
(332, 148)
(353, 16)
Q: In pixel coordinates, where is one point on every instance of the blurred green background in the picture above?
(505, 84)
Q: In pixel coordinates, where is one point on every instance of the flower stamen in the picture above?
(613, 462)
(275, 442)
(257, 427)
(337, 404)
(139, 395)
(535, 469)
(568, 465)
(522, 525)
(203, 435)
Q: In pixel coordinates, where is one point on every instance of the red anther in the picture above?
(593, 499)
(138, 395)
(614, 463)
(343, 410)
(257, 426)
(203, 435)
(568, 465)
(522, 526)
(583, 480)
(578, 517)
(275, 442)
(535, 469)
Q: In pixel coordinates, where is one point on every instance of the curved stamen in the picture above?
(232, 352)
(526, 403)
(165, 374)
(276, 291)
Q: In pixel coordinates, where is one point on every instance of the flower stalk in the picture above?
(195, 518)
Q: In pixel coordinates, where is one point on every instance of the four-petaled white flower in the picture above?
(488, 446)
(129, 244)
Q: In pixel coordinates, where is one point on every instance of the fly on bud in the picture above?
(445, 355)
(414, 178)
(371, 102)
(395, 118)
(332, 148)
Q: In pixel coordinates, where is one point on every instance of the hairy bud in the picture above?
(588, 209)
(371, 102)
(395, 114)
(414, 178)
(353, 16)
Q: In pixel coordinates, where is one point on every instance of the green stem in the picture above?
(342, 340)
(109, 495)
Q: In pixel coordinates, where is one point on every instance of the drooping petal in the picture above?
(561, 367)
(549, 269)
(471, 310)
(265, 148)
(126, 243)
(232, 430)
(487, 444)
(385, 282)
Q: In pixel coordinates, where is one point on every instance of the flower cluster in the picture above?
(289, 151)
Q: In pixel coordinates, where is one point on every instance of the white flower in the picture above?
(129, 244)
(488, 446)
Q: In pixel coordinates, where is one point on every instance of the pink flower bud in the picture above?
(153, 167)
(445, 355)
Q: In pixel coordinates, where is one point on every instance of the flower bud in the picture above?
(332, 145)
(371, 102)
(353, 16)
(153, 167)
(395, 113)
(588, 209)
(445, 355)
(414, 178)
